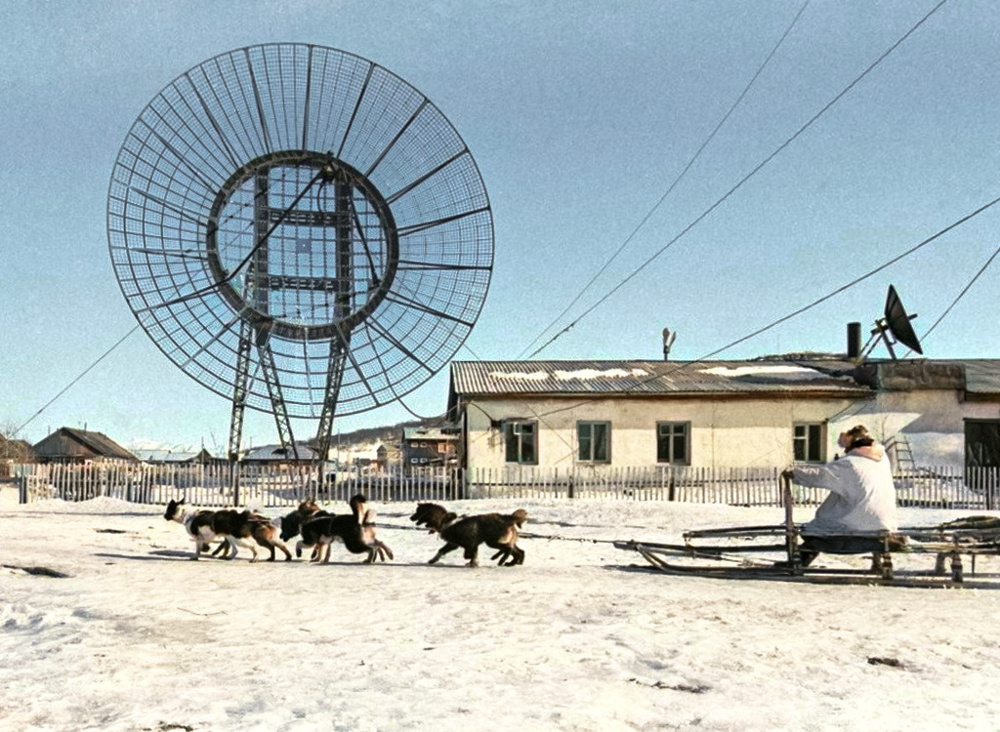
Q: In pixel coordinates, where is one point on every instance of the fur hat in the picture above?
(858, 436)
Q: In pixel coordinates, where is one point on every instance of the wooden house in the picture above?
(68, 445)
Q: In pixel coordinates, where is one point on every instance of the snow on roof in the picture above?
(520, 375)
(564, 375)
(650, 377)
(584, 374)
(771, 370)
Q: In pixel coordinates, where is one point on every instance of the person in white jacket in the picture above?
(862, 501)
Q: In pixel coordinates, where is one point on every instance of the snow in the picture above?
(520, 375)
(587, 374)
(792, 372)
(577, 374)
(938, 449)
(137, 637)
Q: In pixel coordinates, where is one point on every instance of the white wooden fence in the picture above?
(227, 485)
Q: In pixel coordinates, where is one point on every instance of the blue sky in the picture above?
(580, 116)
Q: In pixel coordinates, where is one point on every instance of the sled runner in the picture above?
(774, 551)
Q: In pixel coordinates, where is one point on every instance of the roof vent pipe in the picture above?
(668, 341)
(854, 340)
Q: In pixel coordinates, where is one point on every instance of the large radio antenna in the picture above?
(301, 231)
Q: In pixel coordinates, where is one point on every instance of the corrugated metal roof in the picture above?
(652, 377)
(835, 376)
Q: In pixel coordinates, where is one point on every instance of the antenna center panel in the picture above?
(303, 242)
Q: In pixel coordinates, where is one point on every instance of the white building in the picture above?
(754, 413)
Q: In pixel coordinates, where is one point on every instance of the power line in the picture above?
(822, 299)
(80, 376)
(673, 185)
(743, 180)
(962, 293)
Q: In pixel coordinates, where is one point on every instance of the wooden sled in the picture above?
(773, 552)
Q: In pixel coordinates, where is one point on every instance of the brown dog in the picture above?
(498, 531)
(319, 529)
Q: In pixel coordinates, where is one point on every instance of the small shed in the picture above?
(68, 445)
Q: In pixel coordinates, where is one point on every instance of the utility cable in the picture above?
(961, 294)
(673, 185)
(818, 301)
(70, 384)
(742, 181)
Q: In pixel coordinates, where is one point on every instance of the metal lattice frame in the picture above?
(309, 201)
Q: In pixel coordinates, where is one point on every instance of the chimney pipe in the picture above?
(853, 340)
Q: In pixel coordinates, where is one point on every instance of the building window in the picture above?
(593, 441)
(807, 443)
(521, 442)
(673, 443)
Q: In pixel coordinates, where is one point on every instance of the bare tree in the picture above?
(11, 448)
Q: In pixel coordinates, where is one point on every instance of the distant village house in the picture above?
(424, 447)
(68, 445)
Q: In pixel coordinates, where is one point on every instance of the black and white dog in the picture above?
(234, 528)
(499, 531)
(319, 529)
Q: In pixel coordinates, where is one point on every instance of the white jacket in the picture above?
(862, 495)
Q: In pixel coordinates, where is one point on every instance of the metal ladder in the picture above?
(901, 451)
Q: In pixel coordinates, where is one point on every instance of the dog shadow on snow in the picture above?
(176, 555)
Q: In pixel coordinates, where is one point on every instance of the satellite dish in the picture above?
(896, 323)
(668, 341)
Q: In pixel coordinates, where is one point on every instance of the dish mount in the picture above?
(894, 327)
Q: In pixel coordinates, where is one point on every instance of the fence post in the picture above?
(234, 481)
(991, 489)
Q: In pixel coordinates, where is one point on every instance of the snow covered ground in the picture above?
(137, 637)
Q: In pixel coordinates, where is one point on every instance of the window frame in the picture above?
(593, 441)
(819, 443)
(512, 428)
(670, 442)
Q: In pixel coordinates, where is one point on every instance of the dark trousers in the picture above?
(812, 546)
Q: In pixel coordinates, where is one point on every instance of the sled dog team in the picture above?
(319, 529)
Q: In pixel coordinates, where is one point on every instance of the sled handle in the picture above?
(791, 533)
